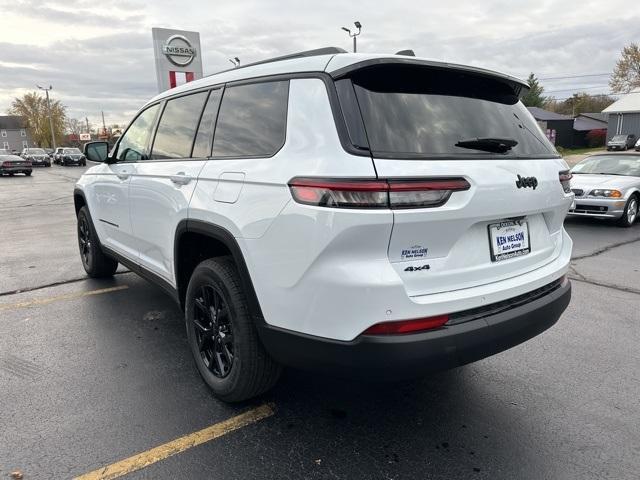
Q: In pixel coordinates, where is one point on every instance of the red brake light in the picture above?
(407, 326)
(565, 180)
(357, 193)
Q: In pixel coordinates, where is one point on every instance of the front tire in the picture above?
(94, 261)
(630, 212)
(222, 336)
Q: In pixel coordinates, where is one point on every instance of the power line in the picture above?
(576, 76)
(577, 88)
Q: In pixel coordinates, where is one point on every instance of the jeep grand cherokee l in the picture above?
(372, 215)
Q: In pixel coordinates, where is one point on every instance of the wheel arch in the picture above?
(217, 241)
(79, 200)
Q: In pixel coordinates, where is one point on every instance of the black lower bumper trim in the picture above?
(405, 356)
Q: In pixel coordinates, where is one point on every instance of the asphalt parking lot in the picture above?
(93, 373)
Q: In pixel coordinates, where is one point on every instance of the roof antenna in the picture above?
(408, 53)
(235, 61)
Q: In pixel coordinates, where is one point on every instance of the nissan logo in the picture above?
(179, 50)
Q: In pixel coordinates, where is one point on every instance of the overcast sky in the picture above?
(98, 54)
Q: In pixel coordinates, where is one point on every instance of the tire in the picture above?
(222, 336)
(630, 212)
(94, 261)
(28, 174)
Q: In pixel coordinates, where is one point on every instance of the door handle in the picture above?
(181, 178)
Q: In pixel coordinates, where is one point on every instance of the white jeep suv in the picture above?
(373, 215)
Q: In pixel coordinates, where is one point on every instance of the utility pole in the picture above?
(354, 35)
(86, 119)
(53, 136)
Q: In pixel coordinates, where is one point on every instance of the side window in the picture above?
(177, 127)
(134, 145)
(202, 145)
(252, 120)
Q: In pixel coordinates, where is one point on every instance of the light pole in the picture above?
(53, 137)
(354, 35)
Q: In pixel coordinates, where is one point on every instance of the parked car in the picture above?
(37, 156)
(607, 186)
(291, 237)
(621, 142)
(11, 164)
(70, 156)
(56, 155)
(638, 146)
(49, 152)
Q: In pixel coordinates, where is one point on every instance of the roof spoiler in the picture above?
(408, 53)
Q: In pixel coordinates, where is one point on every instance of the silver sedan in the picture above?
(607, 186)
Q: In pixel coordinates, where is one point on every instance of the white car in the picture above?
(380, 216)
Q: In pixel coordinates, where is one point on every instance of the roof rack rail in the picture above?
(307, 53)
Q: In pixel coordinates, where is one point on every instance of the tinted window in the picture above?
(202, 145)
(134, 145)
(177, 127)
(426, 111)
(252, 120)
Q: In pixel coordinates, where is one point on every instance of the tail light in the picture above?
(384, 193)
(565, 180)
(407, 326)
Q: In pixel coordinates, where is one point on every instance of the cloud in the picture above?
(99, 56)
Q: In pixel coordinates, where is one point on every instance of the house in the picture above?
(624, 114)
(14, 134)
(559, 128)
(590, 130)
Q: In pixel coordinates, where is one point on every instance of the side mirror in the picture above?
(96, 151)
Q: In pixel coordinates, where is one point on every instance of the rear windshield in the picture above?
(619, 138)
(411, 111)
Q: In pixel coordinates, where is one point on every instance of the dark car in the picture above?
(70, 156)
(37, 156)
(621, 142)
(11, 164)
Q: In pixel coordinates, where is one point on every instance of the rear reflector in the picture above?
(407, 326)
(389, 193)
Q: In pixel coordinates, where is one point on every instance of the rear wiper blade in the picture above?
(488, 144)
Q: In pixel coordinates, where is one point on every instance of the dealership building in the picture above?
(14, 133)
(624, 115)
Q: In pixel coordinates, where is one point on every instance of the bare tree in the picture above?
(626, 74)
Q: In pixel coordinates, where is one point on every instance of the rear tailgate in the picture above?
(427, 122)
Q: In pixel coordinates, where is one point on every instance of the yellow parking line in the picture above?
(144, 459)
(68, 296)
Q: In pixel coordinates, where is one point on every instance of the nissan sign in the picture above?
(178, 57)
(179, 50)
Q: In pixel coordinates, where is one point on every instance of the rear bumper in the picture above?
(16, 169)
(405, 356)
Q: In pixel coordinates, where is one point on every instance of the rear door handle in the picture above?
(181, 178)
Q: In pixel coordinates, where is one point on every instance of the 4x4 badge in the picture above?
(524, 182)
(417, 269)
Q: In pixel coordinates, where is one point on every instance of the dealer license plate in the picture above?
(509, 239)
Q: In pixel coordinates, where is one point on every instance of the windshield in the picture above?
(71, 151)
(431, 112)
(619, 138)
(35, 151)
(610, 165)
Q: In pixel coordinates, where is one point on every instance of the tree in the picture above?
(534, 97)
(626, 74)
(33, 108)
(579, 103)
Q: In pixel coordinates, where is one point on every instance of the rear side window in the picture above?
(252, 120)
(177, 127)
(134, 145)
(417, 112)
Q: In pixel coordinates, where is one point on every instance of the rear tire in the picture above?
(28, 174)
(630, 212)
(222, 336)
(94, 261)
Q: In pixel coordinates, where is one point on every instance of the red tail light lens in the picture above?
(357, 193)
(407, 326)
(565, 180)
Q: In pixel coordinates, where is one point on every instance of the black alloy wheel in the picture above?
(84, 241)
(213, 330)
